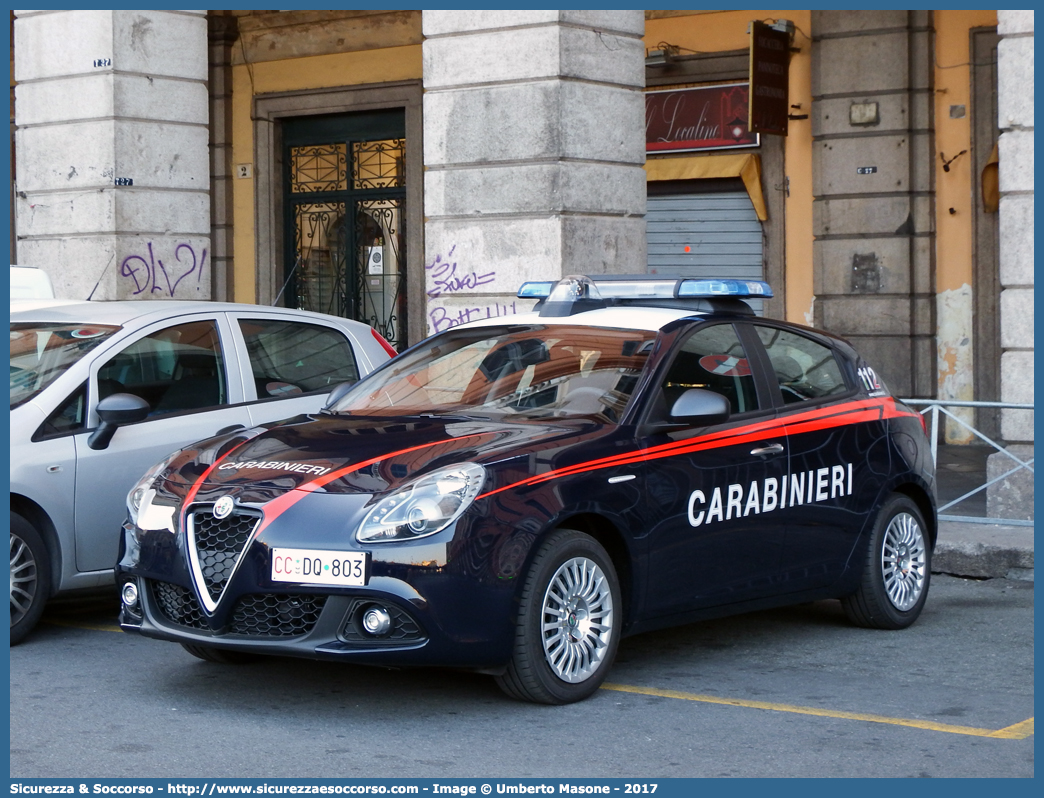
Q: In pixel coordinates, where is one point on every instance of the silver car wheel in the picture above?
(903, 561)
(577, 620)
(23, 578)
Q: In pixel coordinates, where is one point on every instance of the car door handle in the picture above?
(772, 448)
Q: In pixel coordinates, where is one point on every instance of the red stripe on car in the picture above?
(856, 412)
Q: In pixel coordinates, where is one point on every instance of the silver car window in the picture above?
(288, 358)
(176, 369)
(40, 353)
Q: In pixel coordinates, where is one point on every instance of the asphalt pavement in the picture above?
(790, 692)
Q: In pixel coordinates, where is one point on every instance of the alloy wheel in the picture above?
(577, 619)
(23, 578)
(903, 561)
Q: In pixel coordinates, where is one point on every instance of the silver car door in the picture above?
(43, 468)
(189, 373)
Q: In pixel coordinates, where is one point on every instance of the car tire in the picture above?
(220, 655)
(897, 572)
(30, 577)
(573, 582)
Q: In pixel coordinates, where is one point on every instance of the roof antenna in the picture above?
(285, 284)
(107, 265)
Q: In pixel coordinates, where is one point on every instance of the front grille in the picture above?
(404, 629)
(276, 615)
(262, 615)
(219, 542)
(179, 605)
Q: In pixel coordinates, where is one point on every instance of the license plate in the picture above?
(315, 567)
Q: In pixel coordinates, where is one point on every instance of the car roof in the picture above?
(628, 318)
(123, 312)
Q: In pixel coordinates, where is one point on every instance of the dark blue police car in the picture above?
(514, 496)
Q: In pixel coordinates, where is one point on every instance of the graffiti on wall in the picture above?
(447, 279)
(442, 318)
(150, 274)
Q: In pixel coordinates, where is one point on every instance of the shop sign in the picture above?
(702, 118)
(769, 79)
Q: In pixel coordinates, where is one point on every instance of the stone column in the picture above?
(1015, 109)
(533, 152)
(113, 171)
(223, 33)
(1013, 497)
(873, 214)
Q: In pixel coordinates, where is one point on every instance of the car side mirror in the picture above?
(698, 406)
(337, 394)
(115, 411)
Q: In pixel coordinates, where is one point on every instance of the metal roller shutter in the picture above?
(720, 229)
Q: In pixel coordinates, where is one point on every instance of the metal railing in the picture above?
(937, 408)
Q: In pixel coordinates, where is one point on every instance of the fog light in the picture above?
(376, 621)
(129, 594)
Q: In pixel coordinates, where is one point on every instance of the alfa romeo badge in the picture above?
(223, 507)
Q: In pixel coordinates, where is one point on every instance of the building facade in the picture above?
(411, 168)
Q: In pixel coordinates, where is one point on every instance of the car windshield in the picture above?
(529, 372)
(40, 353)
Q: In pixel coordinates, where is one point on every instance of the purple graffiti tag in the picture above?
(185, 272)
(443, 319)
(146, 276)
(446, 279)
(438, 258)
(500, 310)
(134, 272)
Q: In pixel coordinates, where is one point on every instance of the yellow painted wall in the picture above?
(297, 74)
(798, 155)
(954, 189)
(727, 30)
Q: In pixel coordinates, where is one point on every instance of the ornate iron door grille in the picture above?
(346, 237)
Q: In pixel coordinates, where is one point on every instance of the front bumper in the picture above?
(319, 625)
(446, 603)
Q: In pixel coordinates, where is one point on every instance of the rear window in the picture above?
(40, 353)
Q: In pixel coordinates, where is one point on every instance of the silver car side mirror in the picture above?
(115, 411)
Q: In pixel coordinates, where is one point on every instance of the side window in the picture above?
(176, 369)
(289, 358)
(713, 359)
(70, 416)
(805, 369)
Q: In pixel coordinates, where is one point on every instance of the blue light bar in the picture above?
(577, 293)
(535, 290)
(718, 288)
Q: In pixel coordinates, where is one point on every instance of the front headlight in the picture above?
(425, 507)
(143, 513)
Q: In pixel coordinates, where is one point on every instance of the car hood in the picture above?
(360, 455)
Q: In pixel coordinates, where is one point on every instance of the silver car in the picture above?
(102, 391)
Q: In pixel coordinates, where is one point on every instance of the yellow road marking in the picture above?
(1019, 731)
(72, 625)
